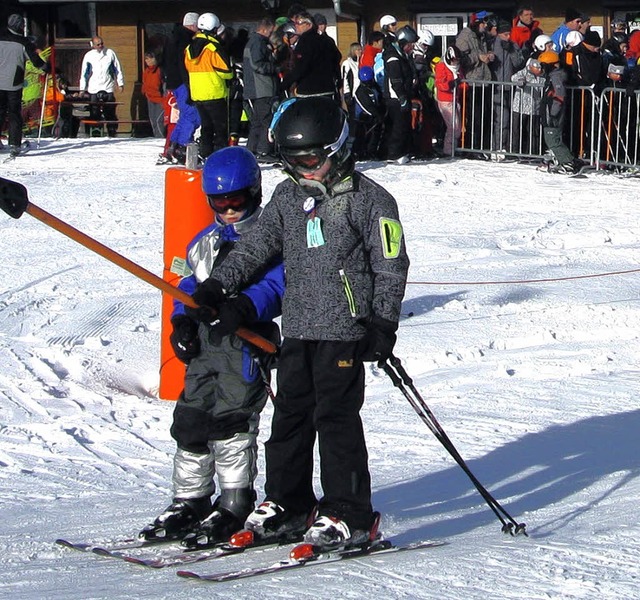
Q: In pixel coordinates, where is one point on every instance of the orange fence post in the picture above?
(186, 212)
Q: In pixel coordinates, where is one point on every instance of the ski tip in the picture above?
(188, 574)
(242, 539)
(302, 552)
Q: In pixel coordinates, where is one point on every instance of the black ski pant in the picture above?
(214, 125)
(11, 108)
(258, 143)
(553, 141)
(104, 109)
(398, 129)
(320, 393)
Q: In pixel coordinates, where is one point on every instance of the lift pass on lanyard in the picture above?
(315, 238)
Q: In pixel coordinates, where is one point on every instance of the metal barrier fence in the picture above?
(618, 144)
(504, 118)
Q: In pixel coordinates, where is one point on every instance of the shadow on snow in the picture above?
(536, 471)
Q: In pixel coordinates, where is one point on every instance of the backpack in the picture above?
(378, 70)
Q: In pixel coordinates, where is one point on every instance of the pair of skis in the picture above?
(301, 555)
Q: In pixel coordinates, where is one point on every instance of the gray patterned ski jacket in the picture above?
(352, 265)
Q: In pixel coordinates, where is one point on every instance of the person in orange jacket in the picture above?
(210, 72)
(152, 90)
(525, 29)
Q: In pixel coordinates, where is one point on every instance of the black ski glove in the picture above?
(232, 314)
(184, 338)
(377, 344)
(208, 295)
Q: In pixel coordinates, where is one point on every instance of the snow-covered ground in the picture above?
(536, 382)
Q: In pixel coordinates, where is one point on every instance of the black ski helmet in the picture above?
(406, 35)
(314, 124)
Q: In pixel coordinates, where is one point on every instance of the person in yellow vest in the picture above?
(209, 70)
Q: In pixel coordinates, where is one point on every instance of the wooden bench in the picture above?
(96, 127)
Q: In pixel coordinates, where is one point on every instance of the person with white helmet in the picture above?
(525, 108)
(573, 39)
(448, 75)
(388, 26)
(552, 114)
(209, 70)
(541, 44)
(424, 44)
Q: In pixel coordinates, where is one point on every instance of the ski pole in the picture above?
(15, 202)
(44, 102)
(401, 380)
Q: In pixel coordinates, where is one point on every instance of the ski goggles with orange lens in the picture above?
(235, 202)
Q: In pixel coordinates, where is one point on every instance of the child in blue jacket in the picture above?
(215, 421)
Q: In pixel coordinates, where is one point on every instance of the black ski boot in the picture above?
(229, 512)
(177, 519)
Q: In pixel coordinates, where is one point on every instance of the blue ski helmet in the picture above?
(365, 74)
(233, 172)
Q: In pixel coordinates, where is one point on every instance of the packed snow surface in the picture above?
(520, 329)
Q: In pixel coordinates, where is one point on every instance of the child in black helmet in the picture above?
(346, 264)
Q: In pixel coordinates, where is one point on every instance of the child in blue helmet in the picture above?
(369, 116)
(215, 421)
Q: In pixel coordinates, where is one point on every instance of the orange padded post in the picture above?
(186, 212)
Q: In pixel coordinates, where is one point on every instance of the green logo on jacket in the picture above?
(391, 236)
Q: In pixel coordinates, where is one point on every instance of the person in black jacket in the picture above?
(399, 77)
(369, 116)
(316, 63)
(15, 49)
(260, 86)
(176, 81)
(587, 66)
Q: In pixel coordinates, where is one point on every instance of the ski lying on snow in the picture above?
(376, 549)
(111, 546)
(169, 552)
(180, 557)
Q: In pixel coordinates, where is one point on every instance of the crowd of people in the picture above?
(403, 96)
(403, 99)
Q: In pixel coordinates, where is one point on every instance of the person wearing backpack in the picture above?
(399, 79)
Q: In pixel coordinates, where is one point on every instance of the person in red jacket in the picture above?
(372, 47)
(153, 92)
(447, 77)
(525, 29)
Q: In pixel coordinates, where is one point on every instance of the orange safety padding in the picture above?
(186, 212)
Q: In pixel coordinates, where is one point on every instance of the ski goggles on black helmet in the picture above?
(236, 201)
(312, 159)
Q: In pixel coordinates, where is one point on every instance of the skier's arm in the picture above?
(385, 245)
(253, 252)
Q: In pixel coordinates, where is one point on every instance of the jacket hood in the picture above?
(197, 46)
